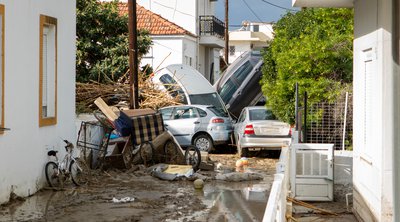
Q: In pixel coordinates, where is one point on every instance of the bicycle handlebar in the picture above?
(68, 145)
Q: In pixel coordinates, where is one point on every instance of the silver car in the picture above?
(200, 125)
(257, 128)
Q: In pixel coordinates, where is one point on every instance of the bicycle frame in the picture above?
(63, 166)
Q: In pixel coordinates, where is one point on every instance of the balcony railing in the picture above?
(210, 25)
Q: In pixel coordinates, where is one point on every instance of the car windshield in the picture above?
(173, 88)
(208, 99)
(261, 114)
(218, 112)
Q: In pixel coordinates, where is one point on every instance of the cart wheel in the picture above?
(146, 152)
(171, 150)
(193, 157)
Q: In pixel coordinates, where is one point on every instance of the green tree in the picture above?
(314, 48)
(102, 41)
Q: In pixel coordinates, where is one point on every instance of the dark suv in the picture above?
(239, 84)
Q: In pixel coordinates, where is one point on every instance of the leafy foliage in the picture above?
(312, 47)
(102, 41)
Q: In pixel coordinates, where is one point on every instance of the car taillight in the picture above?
(217, 120)
(249, 130)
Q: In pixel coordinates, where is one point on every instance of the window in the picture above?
(166, 113)
(232, 50)
(256, 28)
(201, 112)
(173, 88)
(242, 72)
(1, 67)
(48, 71)
(185, 113)
(227, 91)
(261, 114)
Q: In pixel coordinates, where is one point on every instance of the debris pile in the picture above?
(117, 94)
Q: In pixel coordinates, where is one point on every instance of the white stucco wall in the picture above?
(185, 13)
(240, 48)
(24, 148)
(181, 48)
(180, 12)
(373, 116)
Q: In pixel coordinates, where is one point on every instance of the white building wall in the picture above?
(168, 50)
(373, 116)
(24, 148)
(180, 12)
(240, 48)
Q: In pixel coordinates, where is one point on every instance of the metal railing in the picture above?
(276, 206)
(210, 25)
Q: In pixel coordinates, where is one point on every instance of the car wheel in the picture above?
(203, 142)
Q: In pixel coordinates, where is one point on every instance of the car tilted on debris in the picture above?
(258, 129)
(239, 84)
(188, 85)
(201, 125)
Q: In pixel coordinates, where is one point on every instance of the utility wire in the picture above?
(255, 14)
(251, 10)
(293, 10)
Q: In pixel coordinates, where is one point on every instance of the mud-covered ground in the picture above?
(153, 199)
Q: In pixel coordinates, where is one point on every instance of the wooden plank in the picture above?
(105, 109)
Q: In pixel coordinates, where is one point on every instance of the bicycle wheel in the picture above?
(52, 175)
(146, 152)
(193, 157)
(79, 176)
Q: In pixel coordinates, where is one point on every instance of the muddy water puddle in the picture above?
(242, 202)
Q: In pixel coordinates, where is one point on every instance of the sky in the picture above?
(252, 10)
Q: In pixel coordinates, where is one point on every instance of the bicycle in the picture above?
(58, 172)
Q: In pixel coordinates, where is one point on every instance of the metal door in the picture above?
(312, 172)
(184, 124)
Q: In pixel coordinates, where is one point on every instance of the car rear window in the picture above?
(243, 71)
(261, 114)
(227, 90)
(218, 112)
(207, 99)
(173, 88)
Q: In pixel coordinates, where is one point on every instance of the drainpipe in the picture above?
(396, 113)
(227, 32)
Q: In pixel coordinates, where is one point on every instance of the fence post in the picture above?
(344, 121)
(296, 108)
(305, 118)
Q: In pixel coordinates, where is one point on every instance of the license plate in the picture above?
(269, 131)
(254, 149)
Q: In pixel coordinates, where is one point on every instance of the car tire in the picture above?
(203, 142)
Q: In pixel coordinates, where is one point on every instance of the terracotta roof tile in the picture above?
(156, 24)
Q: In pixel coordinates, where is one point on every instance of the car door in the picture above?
(183, 124)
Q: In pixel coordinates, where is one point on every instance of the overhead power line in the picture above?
(293, 10)
(252, 10)
(254, 13)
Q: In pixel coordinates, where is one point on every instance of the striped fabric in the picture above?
(146, 127)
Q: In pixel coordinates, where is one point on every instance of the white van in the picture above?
(187, 82)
